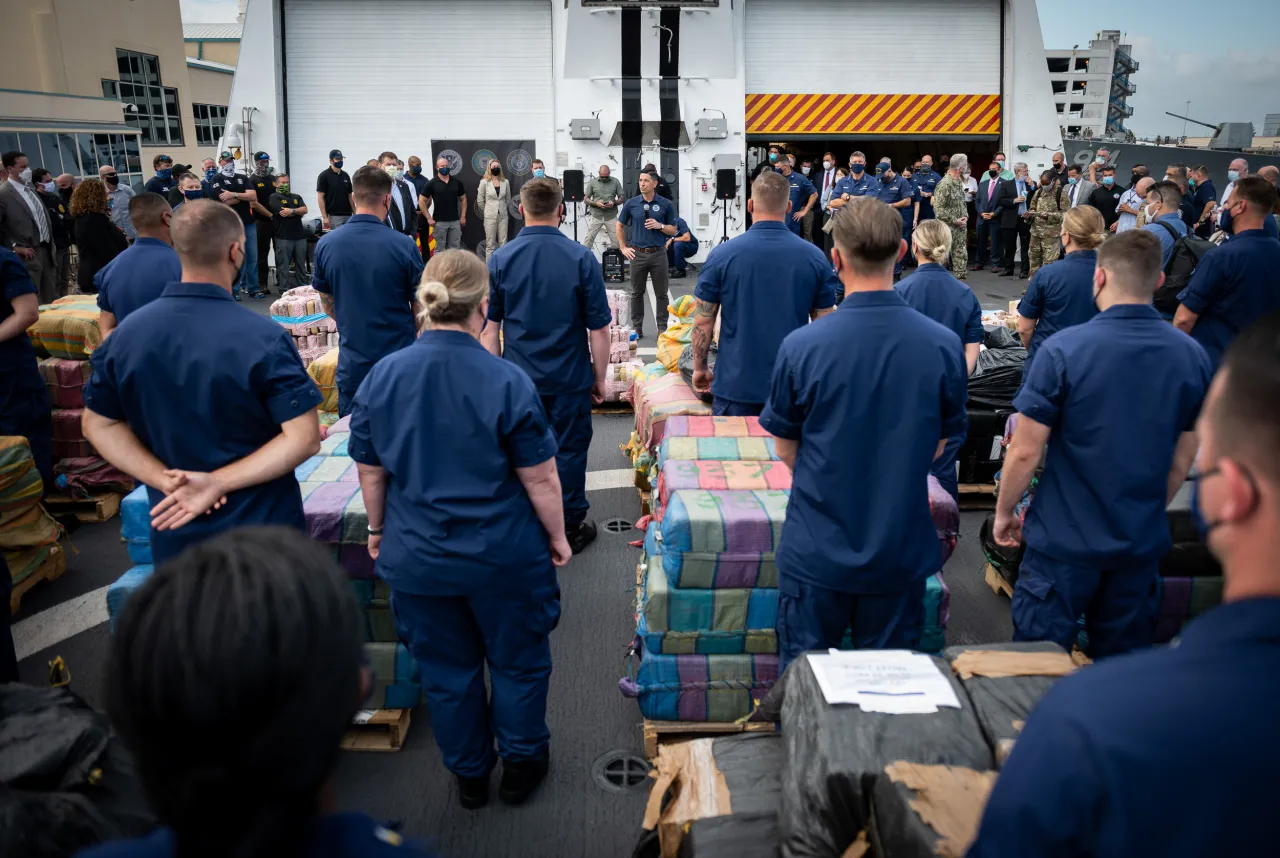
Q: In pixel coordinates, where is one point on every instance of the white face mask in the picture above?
(804, 170)
(1151, 210)
(25, 176)
(228, 169)
(826, 165)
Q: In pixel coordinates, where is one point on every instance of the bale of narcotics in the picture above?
(707, 778)
(723, 539)
(24, 523)
(684, 621)
(927, 811)
(715, 688)
(323, 371)
(835, 753)
(65, 379)
(119, 593)
(68, 328)
(742, 835)
(68, 436)
(718, 475)
(83, 476)
(1004, 682)
(395, 677)
(135, 525)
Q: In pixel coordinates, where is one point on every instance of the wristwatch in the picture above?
(374, 531)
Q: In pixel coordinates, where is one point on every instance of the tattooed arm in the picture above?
(704, 325)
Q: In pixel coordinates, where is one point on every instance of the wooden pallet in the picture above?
(381, 730)
(50, 570)
(977, 495)
(656, 731)
(997, 582)
(91, 510)
(613, 408)
(646, 503)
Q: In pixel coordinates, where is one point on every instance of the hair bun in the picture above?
(434, 294)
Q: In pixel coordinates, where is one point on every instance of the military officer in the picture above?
(1047, 204)
(950, 208)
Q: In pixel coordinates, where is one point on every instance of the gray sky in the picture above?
(1218, 55)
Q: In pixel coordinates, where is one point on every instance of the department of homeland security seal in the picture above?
(518, 162)
(480, 161)
(454, 159)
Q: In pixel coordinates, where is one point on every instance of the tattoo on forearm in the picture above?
(701, 339)
(705, 309)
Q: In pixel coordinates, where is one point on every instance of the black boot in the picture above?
(473, 793)
(581, 536)
(519, 780)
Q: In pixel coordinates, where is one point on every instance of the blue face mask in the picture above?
(416, 170)
(773, 157)
(1108, 180)
(539, 174)
(193, 195)
(209, 174)
(857, 168)
(1191, 183)
(1071, 180)
(164, 174)
(444, 171)
(1001, 163)
(1233, 175)
(338, 163)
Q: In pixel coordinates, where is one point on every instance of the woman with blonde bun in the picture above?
(458, 472)
(937, 294)
(1060, 294)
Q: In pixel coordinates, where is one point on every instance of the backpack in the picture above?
(1187, 250)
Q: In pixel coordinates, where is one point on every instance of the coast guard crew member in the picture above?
(765, 284)
(1238, 282)
(935, 292)
(205, 402)
(458, 472)
(546, 292)
(926, 181)
(367, 275)
(1115, 400)
(898, 194)
(803, 195)
(861, 400)
(1172, 751)
(859, 183)
(24, 400)
(644, 225)
(139, 275)
(1060, 295)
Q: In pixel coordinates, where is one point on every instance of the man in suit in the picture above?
(1079, 189)
(824, 180)
(402, 216)
(25, 227)
(989, 248)
(1011, 209)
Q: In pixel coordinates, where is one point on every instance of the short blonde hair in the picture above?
(453, 285)
(932, 238)
(1086, 227)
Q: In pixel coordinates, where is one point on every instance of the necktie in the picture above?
(826, 182)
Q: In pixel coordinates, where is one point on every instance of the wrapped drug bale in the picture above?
(1004, 682)
(683, 621)
(835, 753)
(679, 332)
(1004, 560)
(722, 539)
(65, 380)
(67, 328)
(83, 476)
(68, 437)
(714, 688)
(619, 306)
(135, 525)
(1181, 515)
(375, 602)
(119, 593)
(714, 475)
(709, 778)
(1181, 601)
(617, 380)
(323, 372)
(946, 517)
(742, 835)
(922, 811)
(655, 401)
(24, 523)
(996, 378)
(395, 677)
(44, 562)
(937, 613)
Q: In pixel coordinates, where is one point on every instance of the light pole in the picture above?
(1184, 120)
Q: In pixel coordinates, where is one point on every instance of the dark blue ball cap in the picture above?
(335, 153)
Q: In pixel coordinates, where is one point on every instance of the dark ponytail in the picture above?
(234, 672)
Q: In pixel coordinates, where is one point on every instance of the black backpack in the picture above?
(1187, 250)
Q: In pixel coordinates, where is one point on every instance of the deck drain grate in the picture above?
(617, 525)
(620, 771)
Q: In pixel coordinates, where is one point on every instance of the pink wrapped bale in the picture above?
(65, 380)
(68, 438)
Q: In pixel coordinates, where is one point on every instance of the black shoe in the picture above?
(236, 296)
(473, 793)
(519, 780)
(677, 274)
(581, 536)
(1006, 273)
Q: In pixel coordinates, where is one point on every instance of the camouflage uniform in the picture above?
(948, 207)
(1053, 201)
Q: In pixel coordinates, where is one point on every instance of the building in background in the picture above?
(1271, 125)
(1091, 86)
(212, 52)
(85, 83)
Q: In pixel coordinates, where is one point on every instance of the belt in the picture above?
(648, 249)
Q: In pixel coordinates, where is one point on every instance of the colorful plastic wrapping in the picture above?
(722, 539)
(135, 525)
(24, 523)
(706, 622)
(714, 688)
(324, 371)
(395, 677)
(65, 380)
(68, 437)
(68, 328)
(717, 475)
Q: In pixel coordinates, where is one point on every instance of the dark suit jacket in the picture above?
(986, 199)
(1005, 208)
(99, 241)
(409, 225)
(17, 227)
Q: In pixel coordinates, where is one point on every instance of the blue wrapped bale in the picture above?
(124, 587)
(684, 621)
(395, 677)
(713, 688)
(135, 525)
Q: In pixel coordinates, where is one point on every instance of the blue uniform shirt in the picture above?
(801, 190)
(1116, 393)
(861, 186)
(16, 353)
(895, 190)
(204, 382)
(1167, 239)
(1269, 225)
(1234, 285)
(1167, 752)
(766, 282)
(868, 391)
(336, 835)
(909, 212)
(372, 273)
(157, 185)
(1059, 297)
(547, 290)
(681, 228)
(926, 181)
(636, 211)
(136, 277)
(933, 291)
(451, 423)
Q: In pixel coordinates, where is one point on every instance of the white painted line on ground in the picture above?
(647, 352)
(53, 626)
(615, 478)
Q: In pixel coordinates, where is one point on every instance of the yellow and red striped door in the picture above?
(861, 115)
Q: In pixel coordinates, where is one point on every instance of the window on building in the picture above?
(80, 154)
(1060, 106)
(1059, 85)
(1082, 64)
(1059, 65)
(1078, 86)
(210, 120)
(152, 107)
(1073, 129)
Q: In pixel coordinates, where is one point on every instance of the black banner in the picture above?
(470, 161)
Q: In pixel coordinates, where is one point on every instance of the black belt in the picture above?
(648, 249)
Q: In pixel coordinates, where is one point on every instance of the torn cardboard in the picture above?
(996, 664)
(948, 799)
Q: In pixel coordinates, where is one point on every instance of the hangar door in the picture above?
(395, 75)
(881, 68)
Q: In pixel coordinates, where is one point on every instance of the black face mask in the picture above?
(993, 173)
(497, 171)
(111, 179)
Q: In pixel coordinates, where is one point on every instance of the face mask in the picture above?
(1191, 183)
(826, 165)
(164, 174)
(1071, 180)
(111, 179)
(926, 167)
(236, 278)
(415, 170)
(1099, 160)
(228, 169)
(539, 174)
(604, 177)
(1151, 210)
(805, 170)
(1044, 183)
(210, 173)
(497, 171)
(1168, 178)
(1228, 222)
(1233, 175)
(773, 157)
(857, 168)
(1108, 180)
(1057, 168)
(283, 187)
(50, 187)
(444, 171)
(263, 168)
(1001, 163)
(193, 195)
(338, 164)
(390, 170)
(25, 176)
(993, 173)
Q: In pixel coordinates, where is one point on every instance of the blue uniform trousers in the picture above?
(721, 407)
(452, 638)
(24, 411)
(248, 280)
(944, 467)
(1119, 604)
(815, 618)
(570, 419)
(344, 403)
(678, 252)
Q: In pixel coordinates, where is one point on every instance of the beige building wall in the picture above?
(210, 87)
(217, 51)
(68, 47)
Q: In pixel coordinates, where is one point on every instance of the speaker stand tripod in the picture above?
(725, 235)
(575, 223)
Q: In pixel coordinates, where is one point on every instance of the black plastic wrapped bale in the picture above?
(1002, 703)
(65, 782)
(1182, 519)
(996, 378)
(1190, 560)
(927, 811)
(1004, 560)
(835, 754)
(684, 363)
(999, 337)
(705, 778)
(742, 835)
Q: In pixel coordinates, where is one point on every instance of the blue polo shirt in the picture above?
(895, 190)
(1167, 241)
(1059, 297)
(909, 212)
(1116, 392)
(372, 273)
(204, 382)
(1269, 225)
(868, 391)
(136, 277)
(1235, 284)
(157, 185)
(547, 291)
(862, 186)
(1202, 196)
(681, 228)
(801, 190)
(451, 423)
(335, 835)
(1167, 752)
(16, 353)
(933, 291)
(766, 282)
(926, 181)
(636, 211)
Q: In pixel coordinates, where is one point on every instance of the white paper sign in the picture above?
(895, 682)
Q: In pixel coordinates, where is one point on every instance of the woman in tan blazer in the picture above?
(493, 201)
